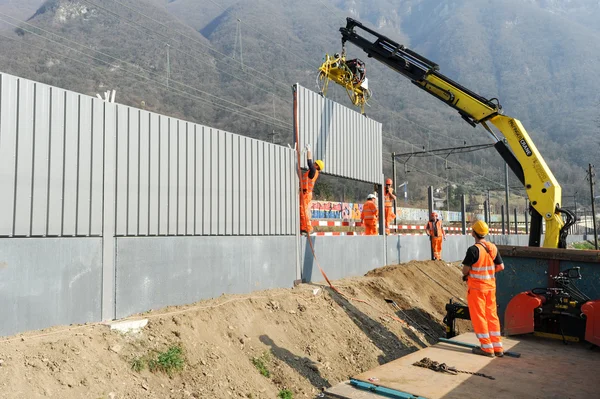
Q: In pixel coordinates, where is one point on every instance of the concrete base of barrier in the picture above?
(153, 272)
(49, 281)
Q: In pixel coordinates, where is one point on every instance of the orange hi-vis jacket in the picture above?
(369, 213)
(482, 275)
(307, 183)
(430, 230)
(389, 201)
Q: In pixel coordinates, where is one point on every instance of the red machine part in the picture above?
(591, 310)
(518, 318)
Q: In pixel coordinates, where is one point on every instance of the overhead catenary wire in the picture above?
(224, 55)
(177, 91)
(444, 159)
(167, 44)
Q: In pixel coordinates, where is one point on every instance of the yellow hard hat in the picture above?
(480, 228)
(320, 164)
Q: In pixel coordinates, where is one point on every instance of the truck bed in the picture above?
(546, 369)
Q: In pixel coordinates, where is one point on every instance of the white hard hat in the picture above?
(370, 196)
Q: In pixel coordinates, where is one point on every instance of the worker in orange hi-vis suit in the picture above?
(370, 215)
(480, 266)
(435, 231)
(306, 190)
(389, 205)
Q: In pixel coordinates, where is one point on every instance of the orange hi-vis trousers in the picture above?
(389, 216)
(371, 229)
(305, 212)
(436, 245)
(484, 316)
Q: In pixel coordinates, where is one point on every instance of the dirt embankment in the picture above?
(301, 339)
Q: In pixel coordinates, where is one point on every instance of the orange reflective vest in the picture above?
(389, 200)
(307, 183)
(431, 231)
(369, 212)
(482, 275)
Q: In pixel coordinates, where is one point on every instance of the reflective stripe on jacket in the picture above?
(307, 183)
(482, 275)
(369, 213)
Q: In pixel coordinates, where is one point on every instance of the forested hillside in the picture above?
(231, 64)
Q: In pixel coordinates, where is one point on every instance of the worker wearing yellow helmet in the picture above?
(480, 266)
(306, 190)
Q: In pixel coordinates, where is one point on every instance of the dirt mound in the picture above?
(271, 344)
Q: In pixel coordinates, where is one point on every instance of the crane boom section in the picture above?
(543, 189)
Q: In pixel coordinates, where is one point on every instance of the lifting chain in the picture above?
(443, 368)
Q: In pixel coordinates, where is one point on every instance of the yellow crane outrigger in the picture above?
(525, 161)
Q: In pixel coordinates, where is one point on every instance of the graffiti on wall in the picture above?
(351, 211)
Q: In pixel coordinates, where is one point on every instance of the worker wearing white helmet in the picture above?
(370, 215)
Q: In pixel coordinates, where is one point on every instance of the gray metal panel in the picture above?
(55, 162)
(39, 197)
(122, 137)
(8, 144)
(163, 186)
(154, 174)
(350, 144)
(156, 272)
(25, 146)
(70, 164)
(49, 281)
(190, 179)
(97, 161)
(84, 173)
(133, 188)
(182, 167)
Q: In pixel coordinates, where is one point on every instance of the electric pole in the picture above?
(507, 195)
(591, 176)
(168, 64)
(394, 183)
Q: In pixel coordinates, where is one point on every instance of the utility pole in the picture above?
(516, 223)
(488, 208)
(507, 195)
(503, 228)
(394, 183)
(577, 230)
(463, 211)
(591, 176)
(168, 64)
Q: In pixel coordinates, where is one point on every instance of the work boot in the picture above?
(478, 351)
(499, 353)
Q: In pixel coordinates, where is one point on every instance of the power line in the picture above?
(228, 11)
(145, 70)
(154, 32)
(167, 44)
(449, 151)
(454, 163)
(179, 91)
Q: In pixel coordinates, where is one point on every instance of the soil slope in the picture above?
(305, 339)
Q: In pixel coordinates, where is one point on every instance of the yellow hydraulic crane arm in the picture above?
(543, 189)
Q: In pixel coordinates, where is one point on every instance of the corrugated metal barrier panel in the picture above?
(172, 177)
(178, 178)
(350, 144)
(51, 160)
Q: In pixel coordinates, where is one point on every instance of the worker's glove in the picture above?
(465, 278)
(444, 238)
(307, 147)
